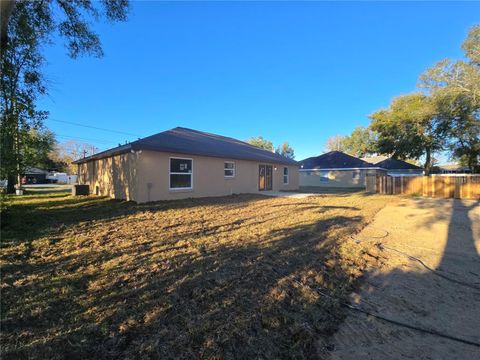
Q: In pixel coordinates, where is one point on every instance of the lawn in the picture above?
(216, 278)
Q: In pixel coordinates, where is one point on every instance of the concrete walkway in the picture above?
(445, 234)
(293, 195)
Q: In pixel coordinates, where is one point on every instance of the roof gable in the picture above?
(333, 160)
(395, 164)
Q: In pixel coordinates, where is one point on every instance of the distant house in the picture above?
(34, 175)
(336, 169)
(451, 169)
(183, 163)
(394, 167)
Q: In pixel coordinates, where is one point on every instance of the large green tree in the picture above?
(27, 27)
(455, 88)
(37, 148)
(409, 128)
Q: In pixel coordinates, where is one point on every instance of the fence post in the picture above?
(446, 189)
(456, 191)
(469, 187)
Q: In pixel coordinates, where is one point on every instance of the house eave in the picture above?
(347, 168)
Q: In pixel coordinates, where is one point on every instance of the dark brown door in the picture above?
(265, 175)
(261, 177)
(268, 177)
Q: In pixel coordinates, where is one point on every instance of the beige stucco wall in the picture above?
(144, 176)
(336, 178)
(115, 176)
(208, 177)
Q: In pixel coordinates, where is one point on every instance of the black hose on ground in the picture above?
(377, 316)
(382, 247)
(420, 261)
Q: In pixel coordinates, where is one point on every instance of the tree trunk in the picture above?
(472, 159)
(428, 162)
(6, 9)
(11, 183)
(18, 155)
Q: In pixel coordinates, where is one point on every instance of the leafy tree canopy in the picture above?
(455, 89)
(26, 27)
(286, 150)
(260, 142)
(471, 46)
(409, 128)
(361, 142)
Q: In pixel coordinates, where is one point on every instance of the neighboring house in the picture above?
(395, 167)
(183, 163)
(34, 176)
(336, 169)
(450, 169)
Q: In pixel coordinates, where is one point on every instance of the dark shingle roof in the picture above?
(394, 164)
(334, 160)
(192, 142)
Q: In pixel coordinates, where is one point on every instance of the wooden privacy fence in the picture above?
(441, 186)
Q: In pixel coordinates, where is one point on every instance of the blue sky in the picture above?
(299, 72)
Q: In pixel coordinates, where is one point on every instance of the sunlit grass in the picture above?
(206, 278)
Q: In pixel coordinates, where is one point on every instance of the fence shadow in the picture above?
(446, 299)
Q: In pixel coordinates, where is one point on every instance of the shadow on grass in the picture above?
(336, 191)
(446, 299)
(200, 278)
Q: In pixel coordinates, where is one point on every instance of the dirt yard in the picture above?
(445, 234)
(234, 277)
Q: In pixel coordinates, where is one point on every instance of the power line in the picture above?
(93, 127)
(86, 139)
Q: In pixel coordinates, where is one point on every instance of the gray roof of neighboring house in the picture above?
(34, 170)
(192, 142)
(395, 164)
(375, 159)
(334, 160)
(452, 167)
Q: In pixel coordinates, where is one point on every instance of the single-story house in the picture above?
(183, 163)
(336, 169)
(34, 175)
(395, 167)
(453, 168)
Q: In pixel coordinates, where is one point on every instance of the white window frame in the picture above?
(178, 173)
(225, 168)
(288, 176)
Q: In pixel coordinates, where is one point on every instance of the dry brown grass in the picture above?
(206, 278)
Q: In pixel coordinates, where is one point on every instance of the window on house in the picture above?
(180, 173)
(229, 169)
(356, 175)
(324, 176)
(285, 176)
